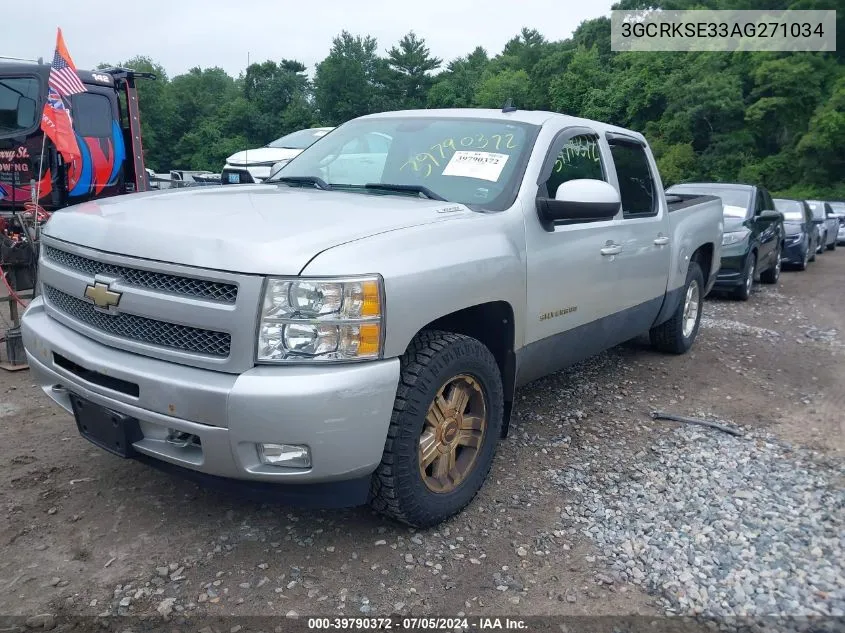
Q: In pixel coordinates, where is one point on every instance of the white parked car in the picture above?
(255, 165)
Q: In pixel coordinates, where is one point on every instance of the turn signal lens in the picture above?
(372, 299)
(369, 339)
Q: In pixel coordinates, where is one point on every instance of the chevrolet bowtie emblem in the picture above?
(102, 297)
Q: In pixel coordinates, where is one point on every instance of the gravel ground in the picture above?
(714, 524)
(592, 507)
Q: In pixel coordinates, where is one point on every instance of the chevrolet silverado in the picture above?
(343, 335)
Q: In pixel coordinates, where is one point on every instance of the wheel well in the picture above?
(704, 256)
(492, 324)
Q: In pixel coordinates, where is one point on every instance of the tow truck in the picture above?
(108, 130)
(35, 180)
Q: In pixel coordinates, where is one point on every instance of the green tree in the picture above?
(495, 90)
(411, 63)
(457, 85)
(347, 82)
(271, 90)
(776, 119)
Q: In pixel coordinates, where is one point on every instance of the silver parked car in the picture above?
(839, 212)
(828, 224)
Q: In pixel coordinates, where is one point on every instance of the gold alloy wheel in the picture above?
(453, 434)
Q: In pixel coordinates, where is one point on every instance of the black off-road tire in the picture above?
(397, 488)
(772, 275)
(743, 293)
(832, 247)
(669, 337)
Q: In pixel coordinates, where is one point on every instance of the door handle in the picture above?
(661, 241)
(611, 249)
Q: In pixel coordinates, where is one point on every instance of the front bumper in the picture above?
(793, 252)
(341, 412)
(731, 272)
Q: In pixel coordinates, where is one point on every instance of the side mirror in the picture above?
(26, 112)
(581, 200)
(277, 167)
(770, 216)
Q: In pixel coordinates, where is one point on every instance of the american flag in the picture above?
(63, 77)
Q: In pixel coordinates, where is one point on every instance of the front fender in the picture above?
(433, 270)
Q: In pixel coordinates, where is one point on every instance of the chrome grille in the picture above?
(186, 286)
(142, 329)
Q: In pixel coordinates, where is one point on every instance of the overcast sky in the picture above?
(181, 34)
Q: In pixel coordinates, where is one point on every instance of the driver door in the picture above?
(573, 269)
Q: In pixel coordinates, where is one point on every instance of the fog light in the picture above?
(286, 455)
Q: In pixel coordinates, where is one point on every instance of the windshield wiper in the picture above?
(428, 193)
(305, 180)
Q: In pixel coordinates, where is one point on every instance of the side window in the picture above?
(636, 185)
(758, 203)
(18, 109)
(580, 157)
(768, 203)
(92, 114)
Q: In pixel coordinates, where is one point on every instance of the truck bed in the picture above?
(678, 201)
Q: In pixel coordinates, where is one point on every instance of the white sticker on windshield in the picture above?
(481, 165)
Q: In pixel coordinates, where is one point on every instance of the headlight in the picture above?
(734, 237)
(321, 320)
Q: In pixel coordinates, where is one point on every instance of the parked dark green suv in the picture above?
(752, 238)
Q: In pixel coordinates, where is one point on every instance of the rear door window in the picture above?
(636, 184)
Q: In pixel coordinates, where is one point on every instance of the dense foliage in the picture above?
(777, 119)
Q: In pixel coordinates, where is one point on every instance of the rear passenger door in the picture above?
(644, 230)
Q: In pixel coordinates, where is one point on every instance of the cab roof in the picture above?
(16, 68)
(533, 117)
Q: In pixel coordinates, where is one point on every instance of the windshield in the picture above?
(817, 208)
(735, 202)
(298, 140)
(18, 99)
(469, 161)
(791, 209)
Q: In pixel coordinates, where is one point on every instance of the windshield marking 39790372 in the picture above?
(477, 162)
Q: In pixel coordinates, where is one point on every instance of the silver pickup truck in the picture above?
(354, 330)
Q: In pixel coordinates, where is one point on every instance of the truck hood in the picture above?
(261, 229)
(263, 155)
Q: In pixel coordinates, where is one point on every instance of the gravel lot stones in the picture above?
(717, 525)
(740, 328)
(109, 529)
